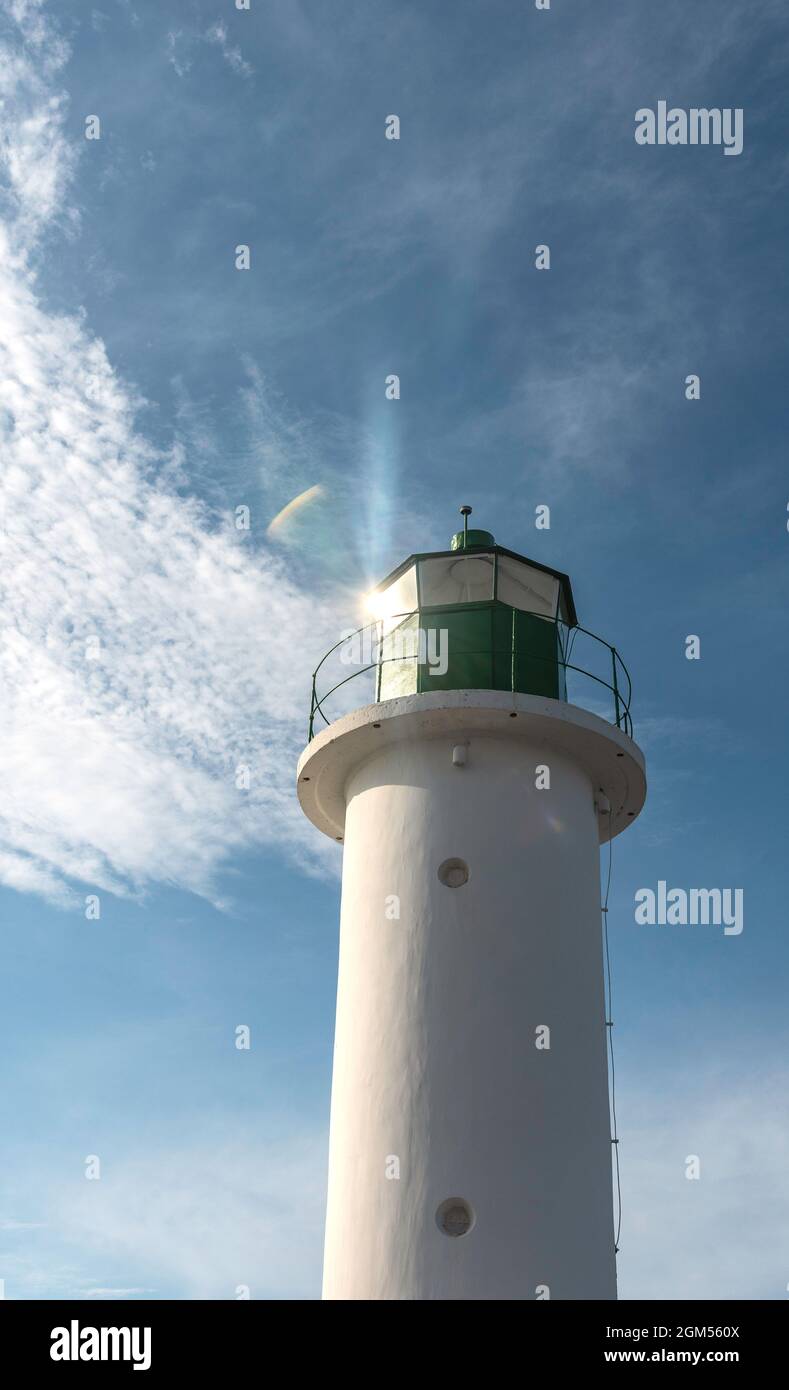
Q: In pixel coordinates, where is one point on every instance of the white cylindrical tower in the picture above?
(470, 1147)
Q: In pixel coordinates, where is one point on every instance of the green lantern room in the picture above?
(474, 617)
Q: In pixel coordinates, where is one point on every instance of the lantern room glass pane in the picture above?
(455, 579)
(531, 590)
(391, 604)
(398, 666)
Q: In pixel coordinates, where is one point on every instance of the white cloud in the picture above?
(206, 1219)
(232, 55)
(175, 55)
(719, 1236)
(117, 1293)
(180, 43)
(35, 158)
(146, 650)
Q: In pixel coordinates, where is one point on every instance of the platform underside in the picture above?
(614, 763)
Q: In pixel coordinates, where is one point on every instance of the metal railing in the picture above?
(620, 686)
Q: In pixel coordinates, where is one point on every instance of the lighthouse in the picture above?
(489, 757)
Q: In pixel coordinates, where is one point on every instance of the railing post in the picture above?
(312, 707)
(616, 687)
(512, 644)
(379, 652)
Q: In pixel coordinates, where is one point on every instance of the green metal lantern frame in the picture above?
(620, 685)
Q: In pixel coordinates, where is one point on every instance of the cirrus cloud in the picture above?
(147, 649)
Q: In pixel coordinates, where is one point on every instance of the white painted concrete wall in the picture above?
(435, 1061)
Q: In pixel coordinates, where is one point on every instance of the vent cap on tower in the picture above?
(472, 540)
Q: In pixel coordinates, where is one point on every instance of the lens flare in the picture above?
(295, 505)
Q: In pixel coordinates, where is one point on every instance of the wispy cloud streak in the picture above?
(148, 652)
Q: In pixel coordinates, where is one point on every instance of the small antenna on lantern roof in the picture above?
(465, 512)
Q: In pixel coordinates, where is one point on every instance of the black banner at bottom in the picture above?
(159, 1339)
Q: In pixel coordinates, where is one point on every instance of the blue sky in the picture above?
(150, 388)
